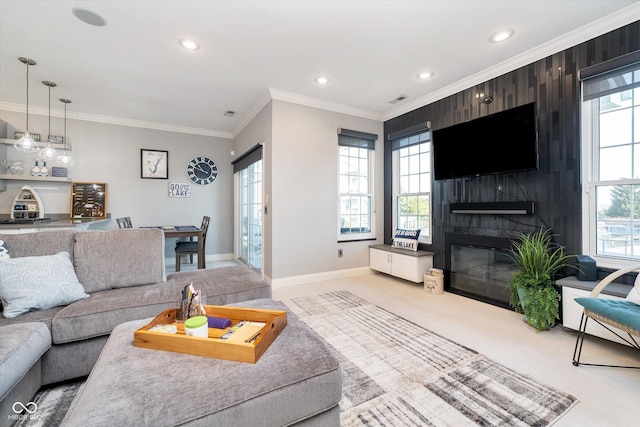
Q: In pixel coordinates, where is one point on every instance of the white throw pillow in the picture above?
(406, 239)
(634, 295)
(32, 283)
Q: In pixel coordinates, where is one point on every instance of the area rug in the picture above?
(396, 373)
(49, 406)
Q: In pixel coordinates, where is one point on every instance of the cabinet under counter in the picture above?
(402, 263)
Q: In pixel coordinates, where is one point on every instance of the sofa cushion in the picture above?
(38, 282)
(21, 347)
(224, 285)
(297, 378)
(39, 243)
(99, 314)
(103, 311)
(119, 258)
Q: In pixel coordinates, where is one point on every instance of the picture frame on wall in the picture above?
(154, 164)
(89, 200)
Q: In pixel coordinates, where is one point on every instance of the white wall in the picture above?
(259, 131)
(300, 163)
(304, 199)
(111, 153)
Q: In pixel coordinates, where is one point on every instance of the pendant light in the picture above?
(26, 143)
(65, 159)
(48, 153)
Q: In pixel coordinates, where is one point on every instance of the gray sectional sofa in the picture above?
(123, 273)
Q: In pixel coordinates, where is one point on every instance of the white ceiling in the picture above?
(132, 70)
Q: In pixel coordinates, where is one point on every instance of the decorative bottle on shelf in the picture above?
(43, 170)
(36, 170)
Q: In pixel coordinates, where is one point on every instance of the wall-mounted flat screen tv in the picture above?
(503, 142)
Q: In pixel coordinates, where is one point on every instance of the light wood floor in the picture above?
(607, 396)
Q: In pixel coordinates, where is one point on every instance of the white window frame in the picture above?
(425, 239)
(370, 194)
(590, 178)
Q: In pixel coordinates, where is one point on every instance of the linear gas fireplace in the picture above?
(479, 267)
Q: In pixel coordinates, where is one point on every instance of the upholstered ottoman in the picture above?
(21, 346)
(296, 382)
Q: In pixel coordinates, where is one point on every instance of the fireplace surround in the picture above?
(479, 267)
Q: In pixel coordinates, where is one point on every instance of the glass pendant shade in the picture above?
(64, 159)
(27, 144)
(48, 152)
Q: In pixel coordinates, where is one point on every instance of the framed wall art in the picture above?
(154, 164)
(88, 200)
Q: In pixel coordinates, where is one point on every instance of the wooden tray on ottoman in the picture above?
(213, 346)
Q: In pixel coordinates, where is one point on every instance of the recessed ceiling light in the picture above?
(425, 75)
(89, 17)
(501, 36)
(322, 80)
(189, 44)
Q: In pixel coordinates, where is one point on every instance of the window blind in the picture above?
(253, 155)
(410, 136)
(354, 138)
(615, 75)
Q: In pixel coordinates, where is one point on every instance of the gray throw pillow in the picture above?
(4, 251)
(38, 282)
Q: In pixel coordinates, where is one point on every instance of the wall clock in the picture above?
(202, 170)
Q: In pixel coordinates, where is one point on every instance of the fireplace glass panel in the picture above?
(482, 272)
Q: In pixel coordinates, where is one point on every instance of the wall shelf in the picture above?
(35, 178)
(4, 143)
(7, 141)
(494, 208)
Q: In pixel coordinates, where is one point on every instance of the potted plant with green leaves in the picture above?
(532, 290)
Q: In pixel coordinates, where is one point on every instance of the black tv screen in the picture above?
(503, 142)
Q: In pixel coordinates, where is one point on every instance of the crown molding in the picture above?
(322, 104)
(254, 110)
(308, 101)
(110, 120)
(594, 29)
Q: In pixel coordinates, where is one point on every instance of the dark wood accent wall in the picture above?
(556, 187)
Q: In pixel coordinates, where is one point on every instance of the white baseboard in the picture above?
(319, 277)
(171, 262)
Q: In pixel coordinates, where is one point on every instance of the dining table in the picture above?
(190, 231)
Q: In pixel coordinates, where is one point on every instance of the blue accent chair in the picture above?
(621, 314)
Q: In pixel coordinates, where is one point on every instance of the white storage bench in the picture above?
(402, 263)
(572, 311)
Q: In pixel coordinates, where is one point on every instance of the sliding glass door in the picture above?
(250, 215)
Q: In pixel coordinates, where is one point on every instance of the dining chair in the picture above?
(124, 222)
(190, 248)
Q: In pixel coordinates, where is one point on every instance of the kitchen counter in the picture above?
(56, 221)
